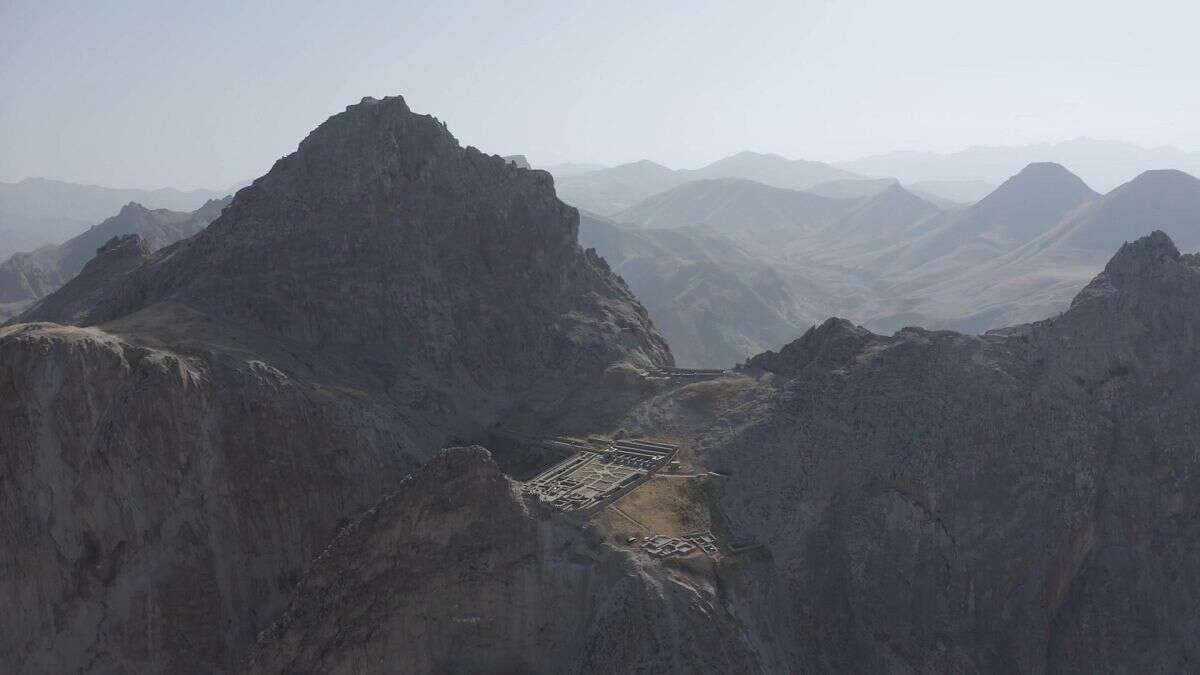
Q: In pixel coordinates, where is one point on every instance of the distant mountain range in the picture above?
(1102, 164)
(39, 211)
(962, 177)
(710, 296)
(26, 277)
(611, 190)
(736, 206)
(727, 266)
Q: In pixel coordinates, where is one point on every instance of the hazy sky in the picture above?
(204, 94)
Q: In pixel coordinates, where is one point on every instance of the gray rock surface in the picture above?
(1026, 500)
(455, 573)
(185, 429)
(607, 191)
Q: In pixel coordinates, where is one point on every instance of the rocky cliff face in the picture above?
(159, 505)
(454, 573)
(1028, 498)
(184, 430)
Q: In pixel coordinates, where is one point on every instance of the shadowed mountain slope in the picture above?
(199, 421)
(455, 573)
(921, 502)
(1102, 164)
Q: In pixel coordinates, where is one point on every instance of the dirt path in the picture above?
(628, 517)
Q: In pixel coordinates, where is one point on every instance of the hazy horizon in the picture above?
(134, 95)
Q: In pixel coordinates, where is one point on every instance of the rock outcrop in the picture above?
(185, 429)
(454, 573)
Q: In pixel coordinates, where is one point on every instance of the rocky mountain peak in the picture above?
(381, 233)
(835, 342)
(896, 195)
(1141, 257)
(370, 147)
(1043, 179)
(1148, 259)
(212, 208)
(99, 287)
(1166, 200)
(132, 209)
(120, 246)
(1164, 178)
(1028, 204)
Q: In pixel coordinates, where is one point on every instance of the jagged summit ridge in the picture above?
(379, 292)
(377, 218)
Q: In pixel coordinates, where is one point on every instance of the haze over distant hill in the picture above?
(961, 191)
(608, 191)
(571, 168)
(1102, 164)
(887, 259)
(1021, 253)
(25, 277)
(736, 206)
(708, 295)
(39, 211)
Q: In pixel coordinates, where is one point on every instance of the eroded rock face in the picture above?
(453, 573)
(197, 422)
(936, 502)
(158, 506)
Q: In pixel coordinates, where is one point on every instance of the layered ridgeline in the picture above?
(874, 251)
(25, 277)
(610, 190)
(726, 267)
(185, 429)
(38, 212)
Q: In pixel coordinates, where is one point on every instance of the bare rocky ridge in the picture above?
(455, 573)
(185, 429)
(929, 501)
(1027, 499)
(607, 191)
